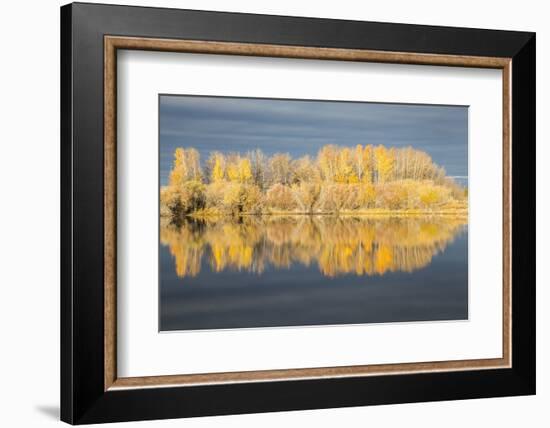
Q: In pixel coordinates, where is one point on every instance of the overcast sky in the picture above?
(302, 127)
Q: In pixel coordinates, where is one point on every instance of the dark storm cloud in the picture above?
(302, 127)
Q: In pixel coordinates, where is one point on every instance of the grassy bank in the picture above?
(374, 212)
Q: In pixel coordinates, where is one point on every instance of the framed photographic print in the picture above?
(265, 213)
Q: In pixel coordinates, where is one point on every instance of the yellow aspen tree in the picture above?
(385, 162)
(326, 159)
(245, 171)
(367, 165)
(232, 169)
(344, 169)
(218, 168)
(390, 170)
(193, 164)
(280, 168)
(340, 170)
(305, 170)
(359, 165)
(178, 175)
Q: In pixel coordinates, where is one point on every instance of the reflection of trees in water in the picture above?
(338, 245)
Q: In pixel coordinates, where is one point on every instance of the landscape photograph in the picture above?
(282, 213)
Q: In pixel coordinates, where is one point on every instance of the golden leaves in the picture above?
(340, 179)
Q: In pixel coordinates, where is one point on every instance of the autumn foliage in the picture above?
(337, 180)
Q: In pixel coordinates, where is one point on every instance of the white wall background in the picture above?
(29, 218)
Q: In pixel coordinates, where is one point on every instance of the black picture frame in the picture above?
(83, 397)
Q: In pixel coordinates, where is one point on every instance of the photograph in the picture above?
(265, 211)
(284, 212)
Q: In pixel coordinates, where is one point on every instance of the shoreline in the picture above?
(462, 213)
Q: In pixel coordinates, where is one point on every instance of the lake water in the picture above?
(312, 270)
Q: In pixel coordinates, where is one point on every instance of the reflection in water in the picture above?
(337, 245)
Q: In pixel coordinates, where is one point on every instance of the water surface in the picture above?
(311, 270)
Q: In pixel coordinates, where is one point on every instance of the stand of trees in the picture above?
(339, 179)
